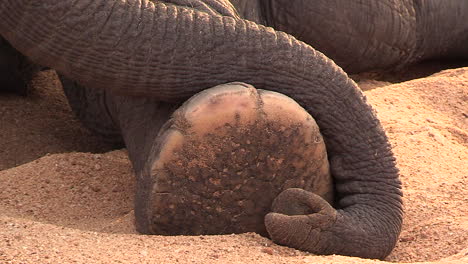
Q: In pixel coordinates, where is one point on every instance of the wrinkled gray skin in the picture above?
(150, 57)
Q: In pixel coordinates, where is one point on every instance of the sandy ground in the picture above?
(64, 199)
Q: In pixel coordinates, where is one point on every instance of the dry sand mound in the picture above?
(77, 207)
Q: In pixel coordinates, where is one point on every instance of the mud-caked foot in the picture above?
(223, 157)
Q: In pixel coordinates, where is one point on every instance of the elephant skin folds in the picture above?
(77, 206)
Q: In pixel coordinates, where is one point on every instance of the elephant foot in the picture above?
(221, 160)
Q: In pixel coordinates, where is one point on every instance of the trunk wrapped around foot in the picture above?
(169, 52)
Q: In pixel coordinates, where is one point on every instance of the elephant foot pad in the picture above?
(225, 155)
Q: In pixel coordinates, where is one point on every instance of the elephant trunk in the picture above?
(169, 52)
(137, 47)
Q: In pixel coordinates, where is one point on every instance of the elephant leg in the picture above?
(217, 164)
(91, 107)
(119, 120)
(16, 71)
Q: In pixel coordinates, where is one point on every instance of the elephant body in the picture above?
(366, 35)
(369, 35)
(150, 57)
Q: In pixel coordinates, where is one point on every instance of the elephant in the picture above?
(419, 31)
(200, 91)
(376, 35)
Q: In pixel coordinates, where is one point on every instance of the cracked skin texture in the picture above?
(203, 176)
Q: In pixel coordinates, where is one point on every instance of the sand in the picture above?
(65, 199)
